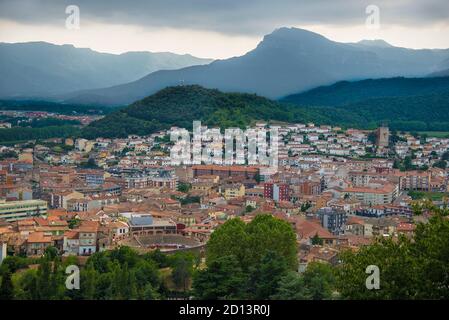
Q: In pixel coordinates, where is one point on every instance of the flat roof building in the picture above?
(18, 210)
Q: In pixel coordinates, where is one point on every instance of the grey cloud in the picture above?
(245, 17)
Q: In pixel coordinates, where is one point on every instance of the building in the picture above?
(59, 199)
(87, 235)
(374, 195)
(161, 179)
(277, 192)
(119, 229)
(333, 220)
(91, 177)
(17, 210)
(310, 188)
(145, 224)
(91, 202)
(232, 191)
(246, 172)
(71, 242)
(382, 137)
(37, 243)
(414, 180)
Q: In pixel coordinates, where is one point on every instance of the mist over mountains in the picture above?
(42, 70)
(287, 61)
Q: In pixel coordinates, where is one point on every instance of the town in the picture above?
(337, 188)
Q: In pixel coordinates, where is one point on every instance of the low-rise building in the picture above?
(17, 210)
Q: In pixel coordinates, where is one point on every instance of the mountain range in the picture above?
(43, 70)
(287, 61)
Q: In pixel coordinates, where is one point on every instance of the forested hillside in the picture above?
(179, 106)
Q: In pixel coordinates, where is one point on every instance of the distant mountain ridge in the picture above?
(40, 69)
(287, 61)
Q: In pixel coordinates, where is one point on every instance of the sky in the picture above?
(220, 28)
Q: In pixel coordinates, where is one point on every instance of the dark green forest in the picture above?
(24, 134)
(350, 92)
(179, 106)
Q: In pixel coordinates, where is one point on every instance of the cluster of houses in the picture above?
(333, 196)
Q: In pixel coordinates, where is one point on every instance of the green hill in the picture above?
(179, 106)
(345, 92)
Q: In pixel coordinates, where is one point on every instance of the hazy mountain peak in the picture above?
(42, 69)
(375, 43)
(294, 34)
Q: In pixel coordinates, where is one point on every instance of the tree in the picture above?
(442, 164)
(88, 278)
(430, 251)
(445, 156)
(316, 240)
(27, 286)
(150, 293)
(266, 233)
(44, 290)
(222, 279)
(13, 263)
(158, 257)
(249, 209)
(229, 239)
(408, 165)
(182, 272)
(264, 278)
(305, 206)
(319, 279)
(392, 258)
(6, 286)
(316, 283)
(398, 271)
(291, 287)
(73, 223)
(51, 253)
(396, 164)
(184, 187)
(249, 243)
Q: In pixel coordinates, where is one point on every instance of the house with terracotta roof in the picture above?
(37, 242)
(88, 234)
(355, 226)
(406, 228)
(307, 229)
